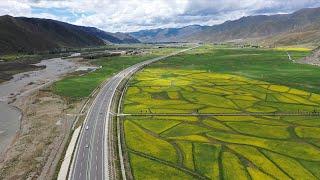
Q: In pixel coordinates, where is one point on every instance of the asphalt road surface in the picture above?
(92, 159)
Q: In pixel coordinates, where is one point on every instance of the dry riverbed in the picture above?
(31, 146)
(23, 83)
(45, 124)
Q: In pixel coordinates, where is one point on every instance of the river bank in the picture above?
(24, 84)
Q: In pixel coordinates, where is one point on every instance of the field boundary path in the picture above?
(92, 156)
(226, 114)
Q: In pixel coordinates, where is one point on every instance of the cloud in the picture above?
(16, 8)
(133, 15)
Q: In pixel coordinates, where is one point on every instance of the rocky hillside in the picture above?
(313, 59)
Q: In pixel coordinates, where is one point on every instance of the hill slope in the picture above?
(31, 34)
(168, 34)
(313, 59)
(20, 34)
(125, 37)
(117, 38)
(260, 27)
(308, 35)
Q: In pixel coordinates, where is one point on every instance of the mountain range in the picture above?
(21, 34)
(281, 29)
(107, 37)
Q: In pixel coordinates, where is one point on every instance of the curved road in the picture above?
(92, 159)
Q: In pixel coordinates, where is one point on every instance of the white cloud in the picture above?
(14, 8)
(132, 15)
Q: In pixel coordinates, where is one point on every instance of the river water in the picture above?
(9, 124)
(22, 82)
(21, 85)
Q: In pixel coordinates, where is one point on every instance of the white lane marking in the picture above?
(82, 134)
(93, 136)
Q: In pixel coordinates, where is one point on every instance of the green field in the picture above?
(260, 64)
(76, 87)
(224, 80)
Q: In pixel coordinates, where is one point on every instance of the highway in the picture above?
(92, 159)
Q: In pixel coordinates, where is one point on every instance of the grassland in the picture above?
(261, 64)
(209, 80)
(76, 87)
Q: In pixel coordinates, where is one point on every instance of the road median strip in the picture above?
(63, 173)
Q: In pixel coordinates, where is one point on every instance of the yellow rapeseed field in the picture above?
(241, 138)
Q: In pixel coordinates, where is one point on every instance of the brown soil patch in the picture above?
(45, 124)
(313, 59)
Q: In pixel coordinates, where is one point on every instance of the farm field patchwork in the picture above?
(261, 64)
(195, 91)
(250, 146)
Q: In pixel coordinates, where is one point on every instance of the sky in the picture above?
(134, 15)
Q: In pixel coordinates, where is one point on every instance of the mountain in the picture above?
(308, 35)
(167, 34)
(107, 37)
(21, 34)
(125, 37)
(260, 27)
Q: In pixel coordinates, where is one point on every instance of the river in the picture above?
(23, 84)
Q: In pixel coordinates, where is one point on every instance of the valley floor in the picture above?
(217, 81)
